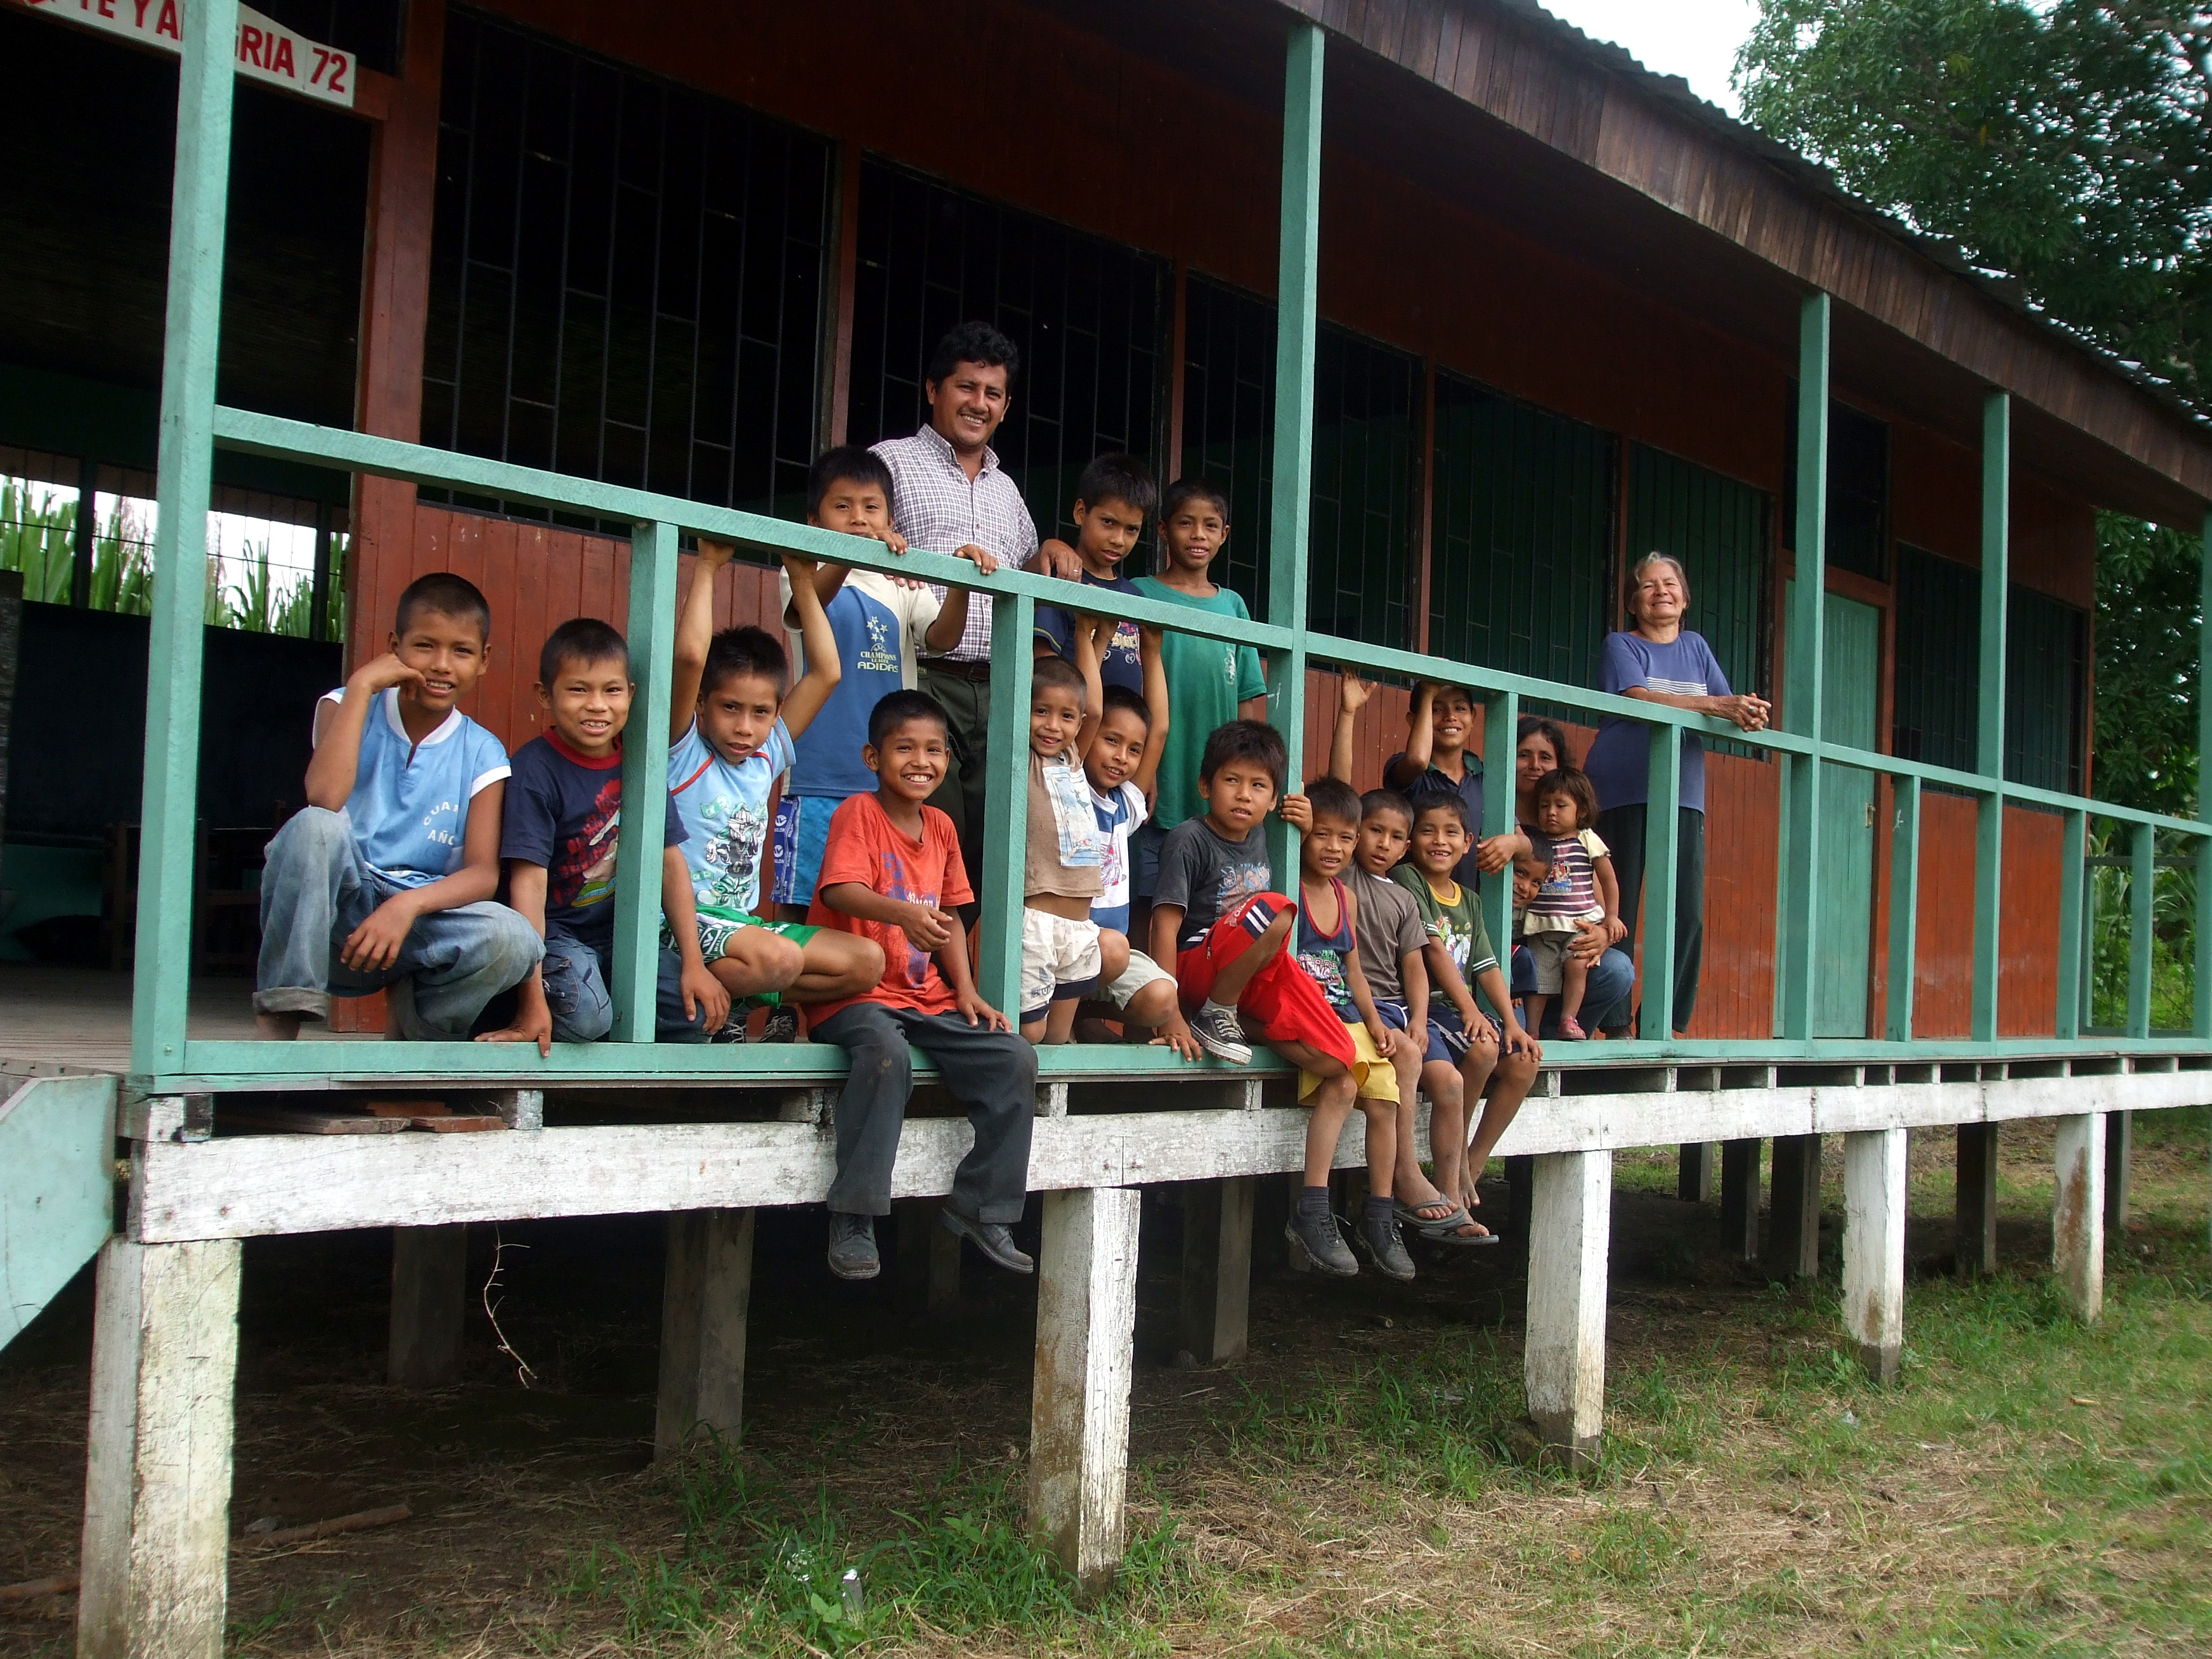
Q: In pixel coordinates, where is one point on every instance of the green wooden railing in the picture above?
(192, 425)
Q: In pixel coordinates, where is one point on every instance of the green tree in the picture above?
(2068, 146)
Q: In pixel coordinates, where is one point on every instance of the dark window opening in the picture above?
(1859, 490)
(370, 29)
(2046, 661)
(1090, 317)
(1522, 538)
(626, 277)
(1364, 500)
(1935, 702)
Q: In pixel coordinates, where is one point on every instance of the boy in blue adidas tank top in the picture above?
(385, 880)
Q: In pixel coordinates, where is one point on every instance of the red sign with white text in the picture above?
(267, 51)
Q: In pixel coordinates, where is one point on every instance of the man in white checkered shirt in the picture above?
(949, 495)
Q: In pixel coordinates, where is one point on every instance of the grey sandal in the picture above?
(1444, 1230)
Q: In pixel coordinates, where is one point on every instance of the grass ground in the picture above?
(2029, 1487)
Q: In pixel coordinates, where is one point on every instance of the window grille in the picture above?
(1939, 653)
(2047, 648)
(1859, 490)
(626, 276)
(1089, 316)
(1522, 538)
(1366, 459)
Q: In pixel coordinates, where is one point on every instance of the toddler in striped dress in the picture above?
(1578, 886)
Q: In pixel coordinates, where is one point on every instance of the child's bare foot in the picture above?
(277, 1028)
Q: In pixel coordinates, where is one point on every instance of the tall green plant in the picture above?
(37, 537)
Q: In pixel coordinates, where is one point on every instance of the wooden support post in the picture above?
(429, 1299)
(1793, 1236)
(157, 1548)
(1564, 1352)
(1873, 1248)
(1989, 726)
(191, 331)
(2119, 1159)
(2077, 1219)
(1797, 949)
(1216, 1267)
(1698, 1176)
(1976, 1226)
(706, 1293)
(1740, 1199)
(1080, 1400)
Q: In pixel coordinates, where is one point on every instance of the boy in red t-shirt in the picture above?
(892, 872)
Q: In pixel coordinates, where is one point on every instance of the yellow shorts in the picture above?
(1376, 1078)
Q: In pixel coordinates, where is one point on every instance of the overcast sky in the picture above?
(1696, 40)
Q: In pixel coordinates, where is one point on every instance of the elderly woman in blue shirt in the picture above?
(1659, 660)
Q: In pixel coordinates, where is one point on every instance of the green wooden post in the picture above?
(2142, 880)
(1989, 730)
(1297, 319)
(162, 975)
(1662, 827)
(1904, 907)
(1501, 722)
(1801, 696)
(1007, 801)
(2201, 1014)
(652, 635)
(2073, 848)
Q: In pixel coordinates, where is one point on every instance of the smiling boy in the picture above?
(385, 879)
(558, 846)
(892, 872)
(1113, 498)
(732, 728)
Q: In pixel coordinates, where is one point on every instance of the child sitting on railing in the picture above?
(731, 727)
(892, 872)
(385, 879)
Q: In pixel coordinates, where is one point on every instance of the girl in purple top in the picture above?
(1659, 660)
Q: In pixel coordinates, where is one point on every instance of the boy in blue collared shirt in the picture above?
(385, 880)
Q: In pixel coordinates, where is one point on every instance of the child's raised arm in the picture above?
(822, 668)
(1154, 660)
(1085, 632)
(695, 632)
(1350, 700)
(336, 763)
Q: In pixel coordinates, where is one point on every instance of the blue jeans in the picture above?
(575, 979)
(1605, 993)
(315, 891)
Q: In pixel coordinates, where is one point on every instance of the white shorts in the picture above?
(1056, 951)
(1141, 971)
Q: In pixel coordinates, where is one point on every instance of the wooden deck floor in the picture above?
(79, 1018)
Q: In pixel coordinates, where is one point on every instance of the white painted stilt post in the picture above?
(1873, 1248)
(1079, 1402)
(2077, 1219)
(156, 1549)
(1571, 1226)
(706, 1293)
(429, 1304)
(1216, 1267)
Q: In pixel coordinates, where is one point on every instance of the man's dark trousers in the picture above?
(992, 1074)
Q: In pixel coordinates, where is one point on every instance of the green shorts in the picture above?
(718, 927)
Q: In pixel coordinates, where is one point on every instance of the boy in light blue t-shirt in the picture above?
(384, 879)
(732, 731)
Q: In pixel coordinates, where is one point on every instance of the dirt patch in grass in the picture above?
(1349, 1488)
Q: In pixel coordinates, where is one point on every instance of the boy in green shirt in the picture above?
(1210, 682)
(1495, 1053)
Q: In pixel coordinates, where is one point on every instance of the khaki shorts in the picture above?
(1142, 971)
(1060, 960)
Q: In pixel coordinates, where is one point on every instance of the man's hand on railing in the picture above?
(985, 560)
(1747, 709)
(1054, 558)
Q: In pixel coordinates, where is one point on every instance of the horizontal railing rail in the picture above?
(661, 519)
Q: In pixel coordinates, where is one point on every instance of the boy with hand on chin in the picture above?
(558, 844)
(892, 872)
(732, 731)
(386, 877)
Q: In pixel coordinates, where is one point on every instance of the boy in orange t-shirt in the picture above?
(892, 872)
